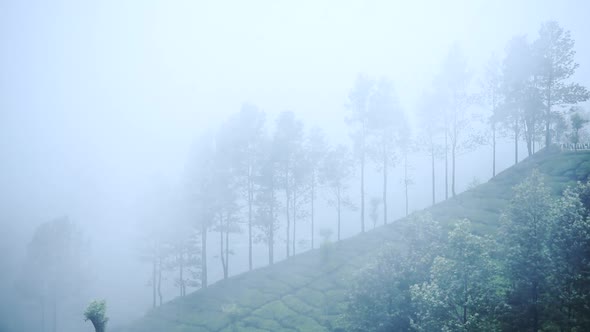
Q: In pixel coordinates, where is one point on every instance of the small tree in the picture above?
(95, 313)
(358, 120)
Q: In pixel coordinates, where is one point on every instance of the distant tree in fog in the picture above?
(492, 97)
(358, 120)
(386, 120)
(430, 121)
(454, 84)
(300, 190)
(335, 172)
(185, 260)
(54, 267)
(406, 146)
(316, 148)
(155, 251)
(199, 187)
(555, 52)
(224, 193)
(245, 132)
(516, 71)
(267, 204)
(288, 140)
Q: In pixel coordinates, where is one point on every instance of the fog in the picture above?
(102, 105)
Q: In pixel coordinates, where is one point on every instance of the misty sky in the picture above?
(99, 99)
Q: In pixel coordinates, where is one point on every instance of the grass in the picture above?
(308, 292)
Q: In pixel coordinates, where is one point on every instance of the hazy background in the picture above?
(100, 101)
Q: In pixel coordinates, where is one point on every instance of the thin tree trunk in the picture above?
(363, 192)
(154, 280)
(453, 156)
(384, 187)
(294, 219)
(226, 272)
(54, 312)
(43, 313)
(288, 198)
(312, 209)
(433, 175)
(548, 116)
(493, 149)
(222, 255)
(516, 142)
(180, 276)
(446, 160)
(406, 178)
(203, 256)
(160, 279)
(250, 201)
(271, 232)
(338, 202)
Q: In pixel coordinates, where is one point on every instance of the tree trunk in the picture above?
(226, 272)
(203, 256)
(338, 202)
(548, 117)
(294, 219)
(493, 149)
(446, 160)
(54, 311)
(363, 192)
(98, 326)
(154, 279)
(160, 279)
(288, 198)
(250, 201)
(271, 231)
(182, 283)
(312, 209)
(406, 179)
(222, 255)
(453, 156)
(43, 313)
(433, 175)
(516, 142)
(384, 187)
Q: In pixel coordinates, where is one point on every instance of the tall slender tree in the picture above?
(430, 125)
(386, 119)
(288, 140)
(245, 132)
(267, 204)
(335, 172)
(358, 121)
(199, 186)
(555, 51)
(454, 81)
(516, 71)
(316, 148)
(492, 94)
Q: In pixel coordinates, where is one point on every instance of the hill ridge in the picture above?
(307, 292)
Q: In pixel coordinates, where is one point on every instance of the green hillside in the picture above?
(307, 292)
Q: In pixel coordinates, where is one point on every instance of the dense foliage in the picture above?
(533, 275)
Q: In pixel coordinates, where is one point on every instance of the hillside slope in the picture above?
(307, 292)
